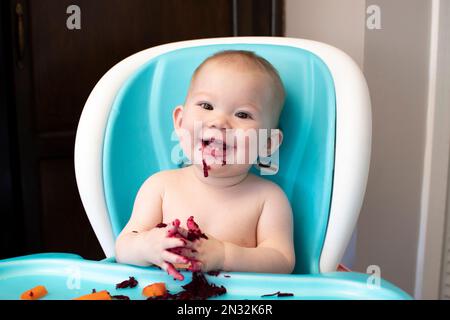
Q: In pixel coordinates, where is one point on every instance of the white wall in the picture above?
(395, 61)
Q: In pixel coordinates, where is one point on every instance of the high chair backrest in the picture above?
(125, 135)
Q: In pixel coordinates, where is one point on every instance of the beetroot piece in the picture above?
(214, 273)
(198, 289)
(120, 297)
(131, 283)
(194, 231)
(161, 225)
(279, 294)
(285, 294)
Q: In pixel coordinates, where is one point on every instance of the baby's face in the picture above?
(227, 103)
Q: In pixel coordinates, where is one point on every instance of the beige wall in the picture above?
(396, 69)
(395, 63)
(337, 22)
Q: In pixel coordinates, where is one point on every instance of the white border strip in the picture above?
(353, 139)
(436, 157)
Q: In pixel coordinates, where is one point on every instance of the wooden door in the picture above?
(53, 69)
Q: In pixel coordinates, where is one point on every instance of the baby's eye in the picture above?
(243, 115)
(206, 106)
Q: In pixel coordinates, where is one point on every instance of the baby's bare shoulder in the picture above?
(267, 188)
(161, 179)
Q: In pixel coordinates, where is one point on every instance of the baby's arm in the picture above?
(140, 242)
(275, 248)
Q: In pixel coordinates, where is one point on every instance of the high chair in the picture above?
(125, 135)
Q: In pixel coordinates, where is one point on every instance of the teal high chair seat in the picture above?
(125, 135)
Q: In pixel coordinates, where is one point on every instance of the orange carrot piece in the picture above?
(101, 295)
(155, 290)
(34, 294)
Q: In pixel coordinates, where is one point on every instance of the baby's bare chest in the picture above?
(228, 217)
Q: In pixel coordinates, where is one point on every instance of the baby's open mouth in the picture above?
(215, 147)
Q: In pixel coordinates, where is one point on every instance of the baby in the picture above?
(247, 219)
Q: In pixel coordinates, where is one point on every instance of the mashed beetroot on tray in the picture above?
(198, 289)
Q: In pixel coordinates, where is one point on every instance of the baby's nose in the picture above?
(219, 123)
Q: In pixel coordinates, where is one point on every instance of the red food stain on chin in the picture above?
(224, 155)
(205, 168)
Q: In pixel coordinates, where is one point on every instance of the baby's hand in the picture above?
(208, 253)
(159, 244)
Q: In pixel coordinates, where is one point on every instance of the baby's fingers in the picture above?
(173, 228)
(183, 232)
(174, 243)
(185, 252)
(170, 269)
(173, 258)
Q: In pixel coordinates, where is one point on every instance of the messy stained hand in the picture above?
(161, 248)
(210, 253)
(204, 252)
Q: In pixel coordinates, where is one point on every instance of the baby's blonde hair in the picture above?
(250, 60)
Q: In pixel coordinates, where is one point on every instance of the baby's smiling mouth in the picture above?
(215, 144)
(215, 148)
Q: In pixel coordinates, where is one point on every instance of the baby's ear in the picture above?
(274, 141)
(177, 116)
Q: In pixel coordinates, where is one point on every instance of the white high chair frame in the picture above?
(352, 151)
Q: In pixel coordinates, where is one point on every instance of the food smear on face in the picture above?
(224, 154)
(206, 143)
(205, 168)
